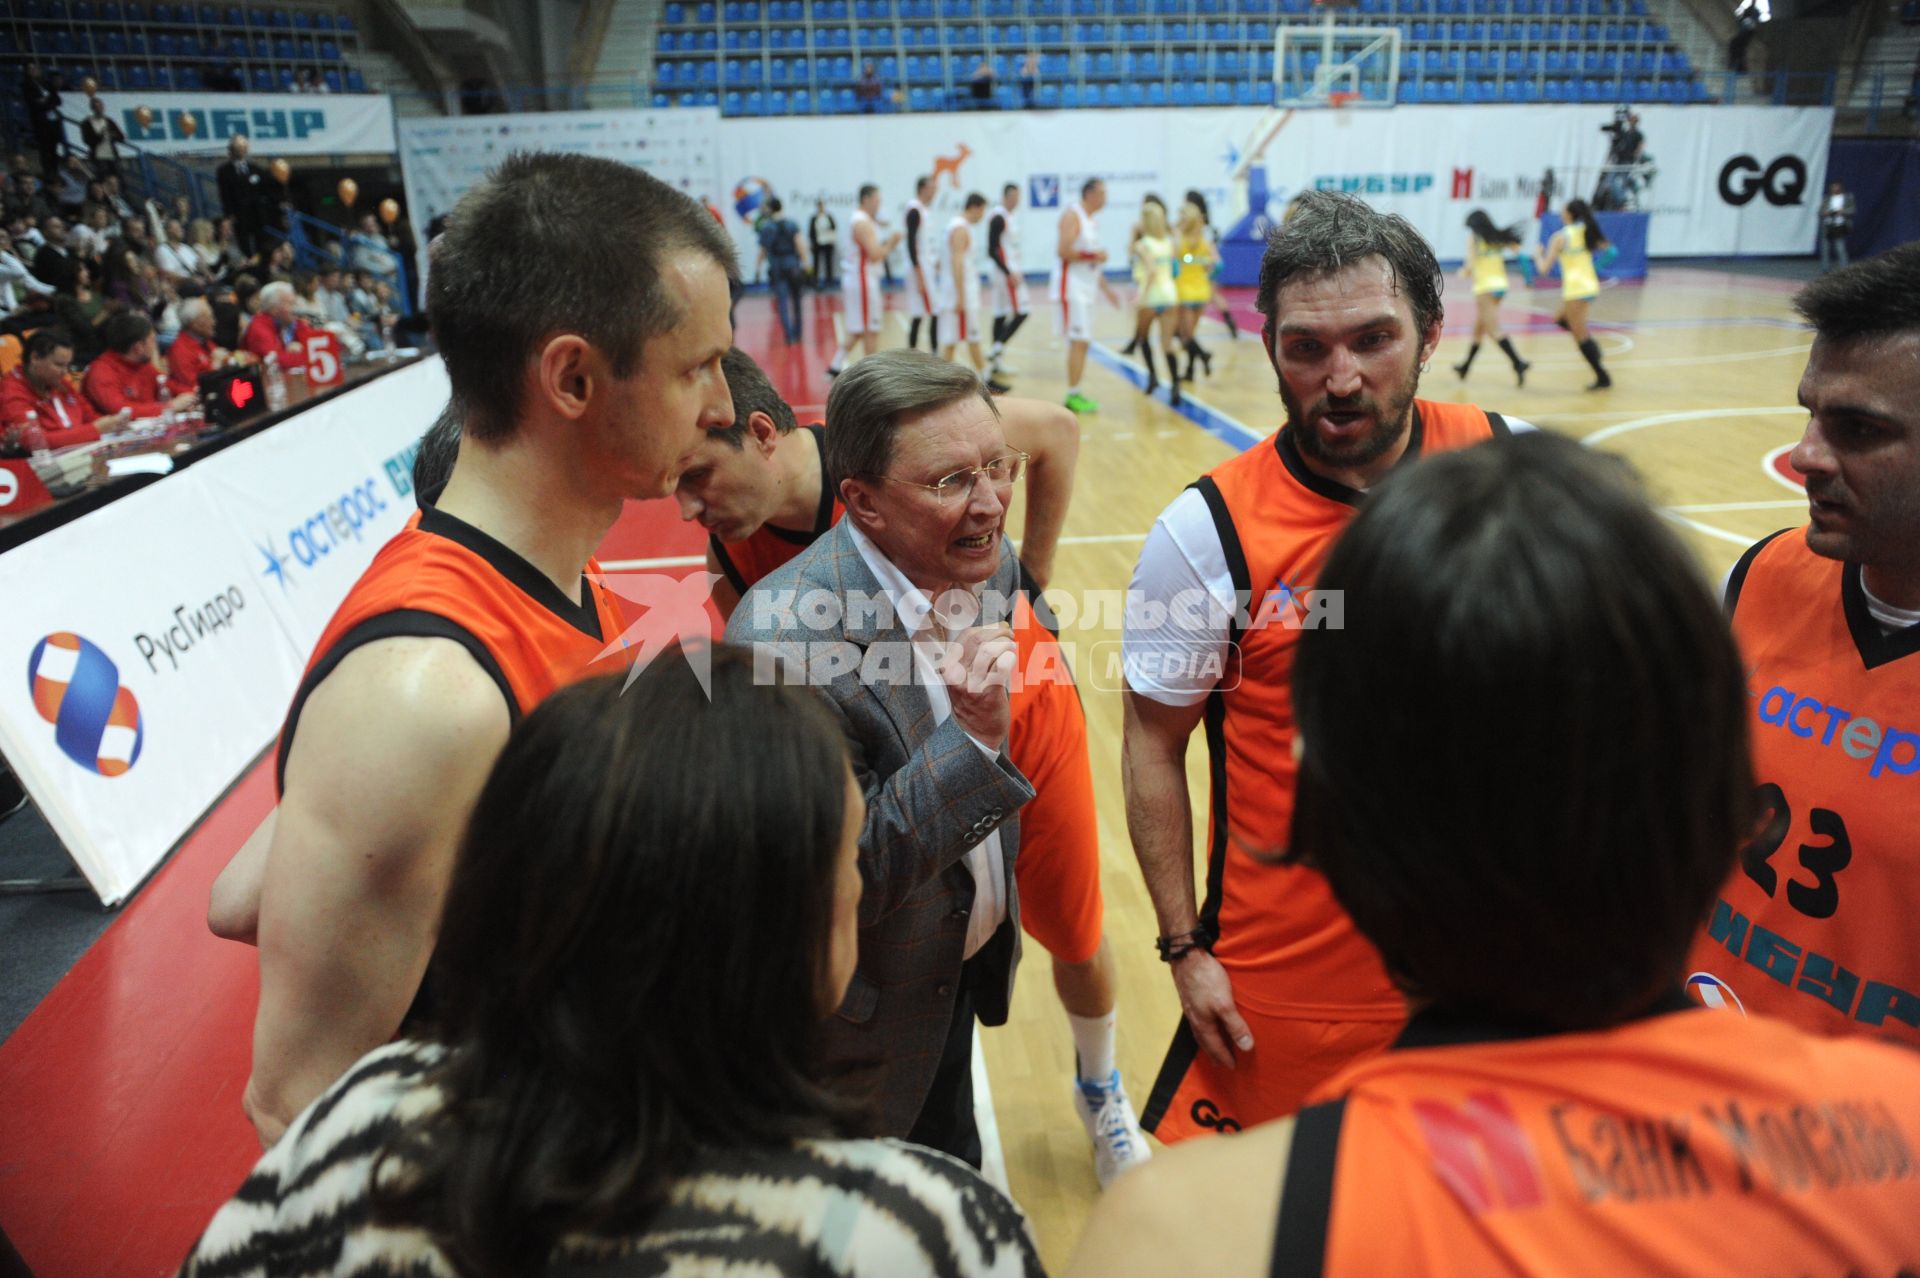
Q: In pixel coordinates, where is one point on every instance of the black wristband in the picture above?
(1174, 948)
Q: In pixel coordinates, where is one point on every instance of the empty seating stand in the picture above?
(134, 45)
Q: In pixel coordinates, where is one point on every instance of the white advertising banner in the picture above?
(1732, 180)
(440, 157)
(277, 123)
(150, 649)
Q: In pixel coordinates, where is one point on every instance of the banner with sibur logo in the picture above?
(149, 650)
(275, 123)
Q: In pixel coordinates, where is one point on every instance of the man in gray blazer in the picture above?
(897, 615)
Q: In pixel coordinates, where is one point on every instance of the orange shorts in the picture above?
(1195, 1097)
(1057, 869)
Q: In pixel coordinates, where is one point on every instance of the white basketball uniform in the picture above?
(919, 240)
(859, 278)
(1077, 283)
(958, 298)
(1007, 291)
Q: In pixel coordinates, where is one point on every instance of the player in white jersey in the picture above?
(1006, 287)
(860, 260)
(921, 249)
(956, 287)
(1077, 278)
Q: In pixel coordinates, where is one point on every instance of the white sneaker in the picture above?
(1001, 366)
(1107, 1114)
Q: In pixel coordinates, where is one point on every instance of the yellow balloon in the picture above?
(89, 86)
(189, 125)
(389, 211)
(144, 115)
(281, 171)
(349, 191)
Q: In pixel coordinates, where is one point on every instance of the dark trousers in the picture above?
(946, 1119)
(785, 283)
(823, 265)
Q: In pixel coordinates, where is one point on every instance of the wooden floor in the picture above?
(122, 1130)
(1704, 365)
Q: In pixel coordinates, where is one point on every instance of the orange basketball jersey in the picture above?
(754, 556)
(1286, 944)
(440, 577)
(1688, 1142)
(1816, 923)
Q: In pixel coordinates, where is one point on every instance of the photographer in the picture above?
(1615, 190)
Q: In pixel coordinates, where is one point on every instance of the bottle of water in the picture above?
(276, 384)
(34, 440)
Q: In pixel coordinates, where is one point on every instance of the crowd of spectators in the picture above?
(144, 296)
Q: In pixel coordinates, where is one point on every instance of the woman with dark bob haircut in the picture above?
(1524, 773)
(654, 907)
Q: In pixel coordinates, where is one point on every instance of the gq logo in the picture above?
(76, 687)
(1783, 182)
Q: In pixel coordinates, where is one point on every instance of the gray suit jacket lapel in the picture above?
(904, 699)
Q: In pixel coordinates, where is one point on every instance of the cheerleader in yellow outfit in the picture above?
(1573, 247)
(1193, 282)
(1153, 272)
(1486, 266)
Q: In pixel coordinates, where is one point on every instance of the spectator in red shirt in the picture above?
(40, 386)
(276, 330)
(125, 374)
(193, 352)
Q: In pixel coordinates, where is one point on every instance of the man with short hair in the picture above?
(56, 263)
(1005, 282)
(821, 231)
(1276, 987)
(124, 376)
(40, 386)
(242, 193)
(860, 309)
(580, 306)
(759, 490)
(193, 352)
(1815, 924)
(916, 221)
(102, 136)
(1078, 278)
(275, 330)
(921, 573)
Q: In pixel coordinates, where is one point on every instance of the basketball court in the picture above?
(124, 1127)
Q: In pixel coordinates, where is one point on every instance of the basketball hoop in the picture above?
(1340, 99)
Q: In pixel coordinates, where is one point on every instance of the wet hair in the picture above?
(1327, 231)
(869, 401)
(639, 859)
(1495, 236)
(752, 393)
(551, 244)
(1875, 297)
(1582, 213)
(1525, 770)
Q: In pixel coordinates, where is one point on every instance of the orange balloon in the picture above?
(349, 191)
(189, 125)
(89, 86)
(281, 171)
(389, 211)
(144, 115)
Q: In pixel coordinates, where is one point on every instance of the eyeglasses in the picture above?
(1002, 472)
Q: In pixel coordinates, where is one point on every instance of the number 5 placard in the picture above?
(323, 360)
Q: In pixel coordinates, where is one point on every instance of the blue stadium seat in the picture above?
(666, 73)
(1049, 95)
(138, 77)
(109, 79)
(660, 101)
(676, 13)
(731, 104)
(802, 102)
(356, 83)
(1070, 96)
(1114, 96)
(1156, 94)
(756, 103)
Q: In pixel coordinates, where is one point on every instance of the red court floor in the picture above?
(120, 1122)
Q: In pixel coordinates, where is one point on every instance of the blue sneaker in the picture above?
(1107, 1114)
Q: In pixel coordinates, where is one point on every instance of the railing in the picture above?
(319, 245)
(149, 176)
